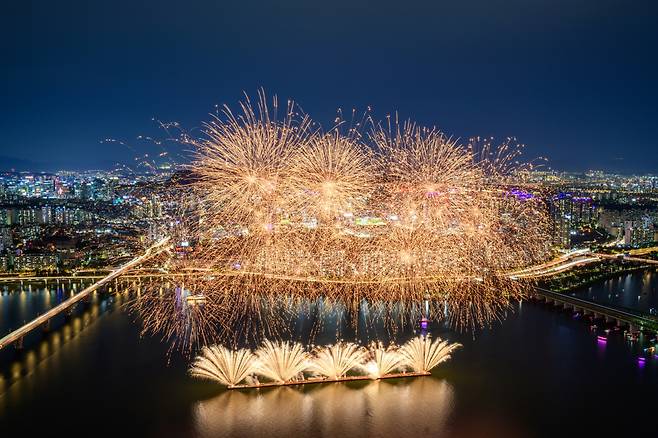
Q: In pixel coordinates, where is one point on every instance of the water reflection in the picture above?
(36, 357)
(411, 407)
(637, 290)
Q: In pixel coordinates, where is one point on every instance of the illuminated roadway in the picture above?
(628, 258)
(560, 264)
(18, 334)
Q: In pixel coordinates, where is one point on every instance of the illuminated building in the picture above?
(639, 232)
(34, 262)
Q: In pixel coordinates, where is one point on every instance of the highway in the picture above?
(628, 258)
(18, 334)
(557, 265)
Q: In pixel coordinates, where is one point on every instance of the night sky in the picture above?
(573, 80)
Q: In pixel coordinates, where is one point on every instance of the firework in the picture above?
(421, 354)
(239, 166)
(281, 361)
(225, 366)
(383, 360)
(336, 360)
(328, 177)
(281, 214)
(185, 316)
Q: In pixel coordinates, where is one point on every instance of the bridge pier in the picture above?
(19, 343)
(635, 321)
(46, 327)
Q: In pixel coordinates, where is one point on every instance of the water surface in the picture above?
(539, 373)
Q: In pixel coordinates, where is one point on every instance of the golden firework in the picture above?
(286, 215)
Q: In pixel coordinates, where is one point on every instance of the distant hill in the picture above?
(9, 163)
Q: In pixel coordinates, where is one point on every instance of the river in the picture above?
(538, 373)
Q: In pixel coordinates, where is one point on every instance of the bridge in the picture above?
(559, 264)
(555, 266)
(19, 334)
(60, 278)
(635, 319)
(628, 258)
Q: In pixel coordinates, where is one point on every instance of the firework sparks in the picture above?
(287, 362)
(384, 360)
(336, 360)
(281, 361)
(421, 354)
(225, 366)
(281, 212)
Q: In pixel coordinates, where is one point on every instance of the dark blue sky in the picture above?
(574, 80)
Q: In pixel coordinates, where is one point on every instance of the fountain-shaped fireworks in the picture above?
(384, 360)
(281, 361)
(336, 360)
(228, 367)
(421, 354)
(285, 362)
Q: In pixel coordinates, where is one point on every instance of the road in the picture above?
(18, 334)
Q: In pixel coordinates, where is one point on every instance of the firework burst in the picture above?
(383, 360)
(283, 214)
(282, 363)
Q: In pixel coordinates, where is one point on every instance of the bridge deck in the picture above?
(630, 316)
(44, 318)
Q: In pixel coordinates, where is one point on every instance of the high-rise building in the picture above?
(570, 213)
(35, 262)
(4, 263)
(639, 232)
(6, 240)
